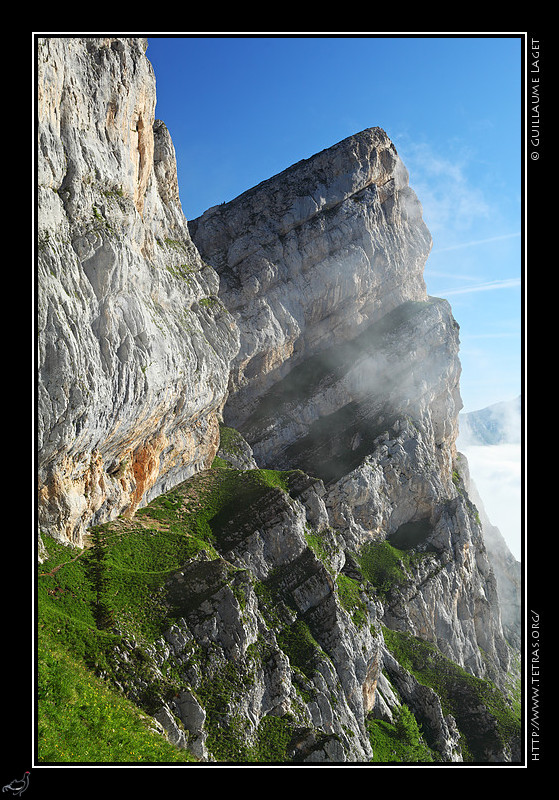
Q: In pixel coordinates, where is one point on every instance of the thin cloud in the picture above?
(450, 200)
(475, 242)
(507, 283)
(434, 273)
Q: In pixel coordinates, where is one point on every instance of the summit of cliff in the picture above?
(313, 256)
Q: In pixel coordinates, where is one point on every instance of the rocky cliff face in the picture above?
(134, 346)
(313, 256)
(357, 386)
(342, 559)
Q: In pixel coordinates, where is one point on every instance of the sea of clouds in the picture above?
(496, 470)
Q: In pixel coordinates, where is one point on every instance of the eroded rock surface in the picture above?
(134, 346)
(297, 314)
(312, 256)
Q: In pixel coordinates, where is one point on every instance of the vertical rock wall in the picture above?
(299, 313)
(133, 345)
(312, 256)
(350, 372)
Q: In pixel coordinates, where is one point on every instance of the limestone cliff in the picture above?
(314, 255)
(314, 568)
(134, 346)
(358, 386)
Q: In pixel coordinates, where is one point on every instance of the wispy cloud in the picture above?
(503, 335)
(476, 242)
(489, 286)
(451, 201)
(435, 273)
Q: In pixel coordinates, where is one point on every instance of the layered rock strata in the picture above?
(299, 315)
(350, 372)
(263, 619)
(312, 256)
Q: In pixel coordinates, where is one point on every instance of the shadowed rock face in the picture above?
(325, 415)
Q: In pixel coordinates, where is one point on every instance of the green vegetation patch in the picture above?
(273, 738)
(201, 504)
(349, 594)
(231, 743)
(239, 497)
(121, 576)
(323, 545)
(67, 600)
(383, 565)
(121, 582)
(300, 646)
(401, 741)
(231, 441)
(231, 738)
(485, 720)
(80, 719)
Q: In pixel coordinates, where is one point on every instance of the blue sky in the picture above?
(241, 109)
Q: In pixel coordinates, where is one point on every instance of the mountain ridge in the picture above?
(499, 423)
(247, 428)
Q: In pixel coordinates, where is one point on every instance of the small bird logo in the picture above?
(17, 787)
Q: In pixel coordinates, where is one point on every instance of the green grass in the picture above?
(273, 737)
(81, 719)
(121, 582)
(66, 603)
(383, 565)
(141, 554)
(461, 695)
(125, 571)
(230, 736)
(298, 643)
(122, 579)
(349, 594)
(230, 440)
(201, 506)
(399, 742)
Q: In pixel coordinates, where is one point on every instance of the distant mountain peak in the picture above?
(499, 423)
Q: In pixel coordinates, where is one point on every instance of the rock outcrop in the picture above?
(319, 554)
(371, 407)
(264, 622)
(134, 345)
(313, 256)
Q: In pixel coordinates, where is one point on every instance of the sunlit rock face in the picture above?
(312, 256)
(341, 347)
(133, 345)
(298, 314)
(349, 371)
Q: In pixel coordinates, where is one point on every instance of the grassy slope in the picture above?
(120, 578)
(81, 719)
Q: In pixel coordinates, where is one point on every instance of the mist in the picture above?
(491, 441)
